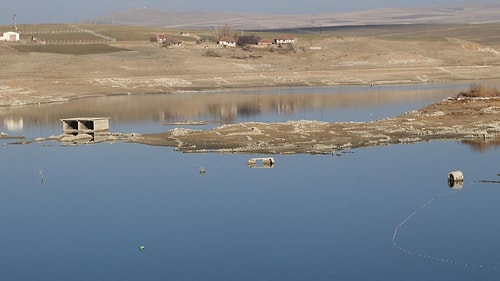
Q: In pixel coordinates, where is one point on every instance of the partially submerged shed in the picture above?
(267, 162)
(86, 127)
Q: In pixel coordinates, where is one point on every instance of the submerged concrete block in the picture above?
(85, 125)
(267, 162)
(92, 129)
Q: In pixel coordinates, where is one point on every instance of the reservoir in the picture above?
(124, 211)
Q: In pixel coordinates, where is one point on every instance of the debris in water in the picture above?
(40, 171)
(267, 162)
(455, 179)
(489, 181)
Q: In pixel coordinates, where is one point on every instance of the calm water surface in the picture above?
(154, 113)
(382, 213)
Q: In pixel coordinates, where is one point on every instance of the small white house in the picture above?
(10, 36)
(284, 39)
(227, 42)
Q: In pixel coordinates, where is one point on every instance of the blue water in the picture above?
(82, 212)
(308, 218)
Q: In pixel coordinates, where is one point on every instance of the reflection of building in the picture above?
(13, 124)
(285, 108)
(228, 113)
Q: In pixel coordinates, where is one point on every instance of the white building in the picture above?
(226, 42)
(284, 39)
(9, 36)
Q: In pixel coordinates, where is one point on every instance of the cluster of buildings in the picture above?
(169, 41)
(9, 36)
(284, 39)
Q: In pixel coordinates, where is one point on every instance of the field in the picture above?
(73, 49)
(57, 33)
(63, 33)
(106, 59)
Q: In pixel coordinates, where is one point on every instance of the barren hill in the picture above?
(470, 12)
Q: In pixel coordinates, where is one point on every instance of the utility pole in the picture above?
(14, 19)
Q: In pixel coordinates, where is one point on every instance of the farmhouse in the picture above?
(166, 40)
(284, 39)
(160, 38)
(170, 42)
(265, 42)
(226, 42)
(10, 36)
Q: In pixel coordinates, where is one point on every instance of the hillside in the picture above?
(363, 55)
(469, 13)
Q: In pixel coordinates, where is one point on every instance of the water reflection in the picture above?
(455, 184)
(148, 113)
(481, 146)
(13, 124)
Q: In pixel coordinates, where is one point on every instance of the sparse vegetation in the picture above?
(126, 33)
(477, 91)
(247, 40)
(333, 56)
(212, 53)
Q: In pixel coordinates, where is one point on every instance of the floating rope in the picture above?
(442, 259)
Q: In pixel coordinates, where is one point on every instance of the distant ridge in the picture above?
(469, 13)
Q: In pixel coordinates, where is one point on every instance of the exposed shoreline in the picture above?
(39, 78)
(474, 120)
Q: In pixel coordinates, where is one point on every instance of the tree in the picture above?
(247, 40)
(225, 31)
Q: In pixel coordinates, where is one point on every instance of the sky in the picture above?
(70, 11)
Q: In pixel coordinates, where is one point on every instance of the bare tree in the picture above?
(225, 31)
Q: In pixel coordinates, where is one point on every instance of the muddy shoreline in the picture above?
(472, 120)
(38, 78)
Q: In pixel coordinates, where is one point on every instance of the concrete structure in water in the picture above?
(267, 162)
(86, 127)
(456, 180)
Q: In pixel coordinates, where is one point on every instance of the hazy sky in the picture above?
(68, 11)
